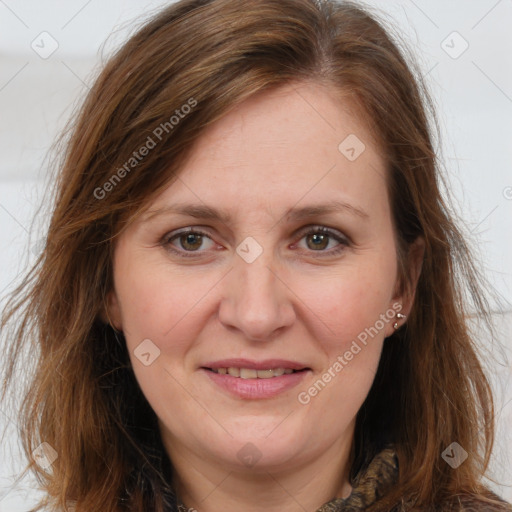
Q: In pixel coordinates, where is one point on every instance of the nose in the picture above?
(256, 301)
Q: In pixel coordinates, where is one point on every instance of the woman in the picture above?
(251, 292)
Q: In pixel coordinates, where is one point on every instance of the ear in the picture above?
(414, 264)
(111, 312)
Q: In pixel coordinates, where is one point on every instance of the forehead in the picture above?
(300, 117)
(295, 144)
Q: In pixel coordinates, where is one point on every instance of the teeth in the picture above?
(235, 372)
(267, 374)
(249, 373)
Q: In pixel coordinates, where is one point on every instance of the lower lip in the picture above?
(256, 388)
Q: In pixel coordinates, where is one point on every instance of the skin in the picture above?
(276, 151)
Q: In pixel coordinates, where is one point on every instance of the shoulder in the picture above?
(472, 503)
(489, 502)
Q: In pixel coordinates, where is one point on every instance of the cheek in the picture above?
(348, 304)
(355, 313)
(155, 301)
(351, 338)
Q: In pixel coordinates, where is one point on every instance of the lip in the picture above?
(267, 364)
(255, 389)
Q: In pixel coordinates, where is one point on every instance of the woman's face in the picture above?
(230, 268)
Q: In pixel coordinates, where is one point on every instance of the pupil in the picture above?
(191, 238)
(319, 240)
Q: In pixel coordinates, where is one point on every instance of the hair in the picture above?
(201, 58)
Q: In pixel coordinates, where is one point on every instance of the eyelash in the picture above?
(343, 241)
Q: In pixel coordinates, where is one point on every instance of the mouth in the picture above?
(252, 380)
(251, 373)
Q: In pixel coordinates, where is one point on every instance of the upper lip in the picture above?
(266, 364)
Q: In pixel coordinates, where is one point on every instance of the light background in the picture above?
(473, 93)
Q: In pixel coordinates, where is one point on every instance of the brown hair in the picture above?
(211, 55)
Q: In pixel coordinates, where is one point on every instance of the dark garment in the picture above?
(369, 486)
(374, 482)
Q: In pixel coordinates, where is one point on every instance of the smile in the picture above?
(251, 384)
(250, 373)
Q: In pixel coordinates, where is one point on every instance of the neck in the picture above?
(210, 486)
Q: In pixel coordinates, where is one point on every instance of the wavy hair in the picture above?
(83, 399)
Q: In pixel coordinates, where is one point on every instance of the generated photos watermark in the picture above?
(304, 397)
(150, 143)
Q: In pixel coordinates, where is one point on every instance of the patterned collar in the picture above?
(369, 486)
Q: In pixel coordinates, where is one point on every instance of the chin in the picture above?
(264, 445)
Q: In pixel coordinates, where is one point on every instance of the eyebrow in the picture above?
(201, 211)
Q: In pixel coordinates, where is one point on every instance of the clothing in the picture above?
(368, 487)
(371, 484)
(382, 472)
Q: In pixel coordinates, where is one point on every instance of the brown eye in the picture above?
(190, 241)
(325, 241)
(318, 241)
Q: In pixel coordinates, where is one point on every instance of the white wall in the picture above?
(473, 91)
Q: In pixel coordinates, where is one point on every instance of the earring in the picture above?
(399, 316)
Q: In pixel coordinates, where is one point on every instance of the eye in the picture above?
(188, 241)
(319, 238)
